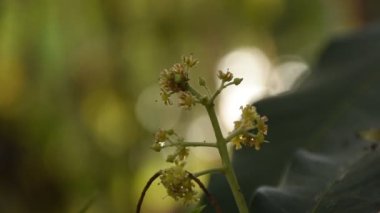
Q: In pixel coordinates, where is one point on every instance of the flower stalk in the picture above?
(228, 170)
(249, 131)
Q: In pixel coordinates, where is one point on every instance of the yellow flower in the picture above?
(190, 61)
(251, 122)
(186, 100)
(179, 155)
(175, 79)
(161, 136)
(165, 98)
(237, 141)
(178, 184)
(228, 76)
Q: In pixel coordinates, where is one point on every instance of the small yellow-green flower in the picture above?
(228, 76)
(253, 128)
(182, 153)
(190, 61)
(178, 184)
(175, 79)
(179, 155)
(165, 98)
(186, 100)
(237, 141)
(160, 137)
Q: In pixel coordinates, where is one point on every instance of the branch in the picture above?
(237, 132)
(150, 181)
(208, 171)
(186, 144)
(210, 198)
(221, 87)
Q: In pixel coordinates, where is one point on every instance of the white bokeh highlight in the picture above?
(261, 79)
(284, 76)
(254, 67)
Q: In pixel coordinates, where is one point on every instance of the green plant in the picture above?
(249, 131)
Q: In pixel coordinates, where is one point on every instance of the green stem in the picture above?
(221, 144)
(186, 144)
(201, 99)
(209, 171)
(228, 170)
(219, 90)
(236, 133)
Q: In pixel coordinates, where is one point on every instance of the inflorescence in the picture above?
(250, 130)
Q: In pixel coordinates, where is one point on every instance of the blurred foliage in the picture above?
(71, 72)
(337, 121)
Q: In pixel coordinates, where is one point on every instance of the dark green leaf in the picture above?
(347, 182)
(339, 99)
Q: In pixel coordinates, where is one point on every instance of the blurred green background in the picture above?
(77, 106)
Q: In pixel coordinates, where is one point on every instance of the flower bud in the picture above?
(237, 81)
(190, 61)
(201, 82)
(171, 158)
(156, 147)
(225, 76)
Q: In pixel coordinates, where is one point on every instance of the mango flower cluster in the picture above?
(175, 179)
(252, 128)
(166, 138)
(175, 80)
(250, 131)
(178, 184)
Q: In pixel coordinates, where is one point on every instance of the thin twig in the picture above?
(221, 87)
(217, 92)
(210, 198)
(209, 171)
(196, 94)
(187, 144)
(150, 181)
